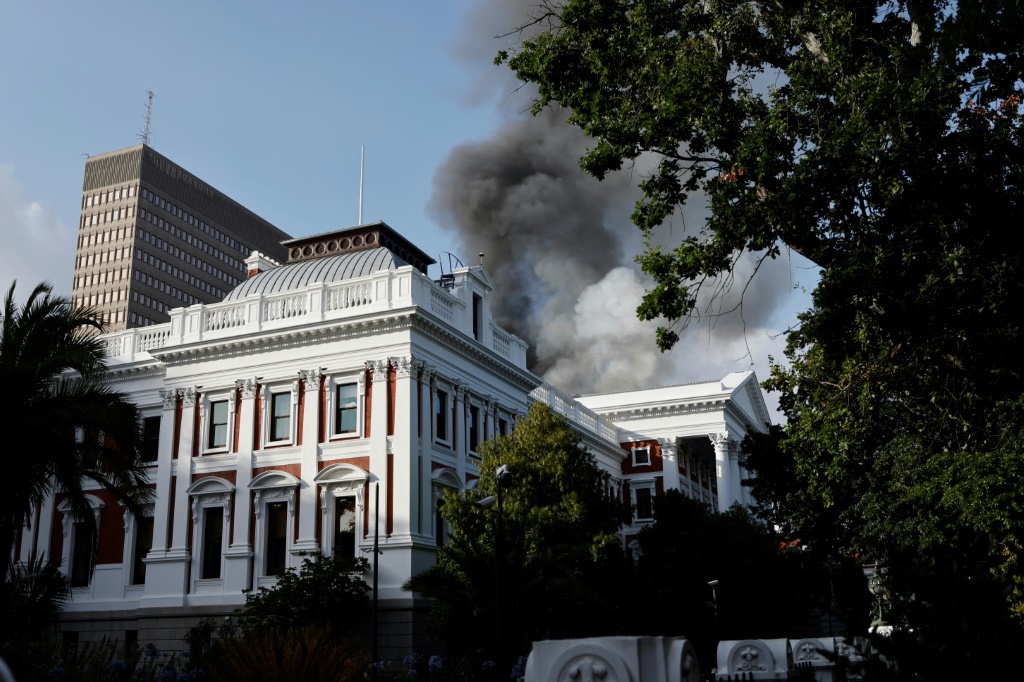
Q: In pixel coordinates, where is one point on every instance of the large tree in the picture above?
(64, 428)
(560, 549)
(883, 141)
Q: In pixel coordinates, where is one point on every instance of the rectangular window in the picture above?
(218, 437)
(503, 427)
(150, 438)
(213, 541)
(277, 532)
(344, 527)
(478, 317)
(143, 543)
(81, 556)
(280, 416)
(474, 427)
(441, 415)
(644, 506)
(346, 409)
(642, 456)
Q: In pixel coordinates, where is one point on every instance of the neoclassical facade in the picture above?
(330, 399)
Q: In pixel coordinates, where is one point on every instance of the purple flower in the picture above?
(56, 674)
(519, 669)
(435, 664)
(488, 666)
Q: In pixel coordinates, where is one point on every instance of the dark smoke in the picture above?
(548, 230)
(559, 245)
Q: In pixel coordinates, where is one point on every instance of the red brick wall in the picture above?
(656, 465)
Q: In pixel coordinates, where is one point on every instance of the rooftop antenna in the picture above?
(362, 158)
(147, 120)
(481, 258)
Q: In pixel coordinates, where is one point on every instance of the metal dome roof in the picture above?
(327, 269)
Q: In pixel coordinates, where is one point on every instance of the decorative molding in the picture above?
(379, 369)
(188, 396)
(719, 439)
(312, 377)
(403, 366)
(169, 397)
(247, 387)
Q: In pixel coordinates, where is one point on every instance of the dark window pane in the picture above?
(277, 532)
(644, 509)
(150, 438)
(474, 427)
(441, 415)
(345, 415)
(81, 556)
(143, 543)
(344, 527)
(280, 416)
(218, 424)
(213, 541)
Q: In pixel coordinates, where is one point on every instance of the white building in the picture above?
(269, 417)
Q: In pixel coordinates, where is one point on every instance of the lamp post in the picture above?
(714, 605)
(503, 478)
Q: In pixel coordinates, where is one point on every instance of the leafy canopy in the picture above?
(884, 142)
(62, 425)
(561, 545)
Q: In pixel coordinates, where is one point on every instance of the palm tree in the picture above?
(62, 426)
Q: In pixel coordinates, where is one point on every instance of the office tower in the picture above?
(152, 237)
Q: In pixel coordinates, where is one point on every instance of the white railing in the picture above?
(152, 337)
(224, 318)
(576, 413)
(285, 307)
(374, 294)
(502, 342)
(350, 296)
(442, 304)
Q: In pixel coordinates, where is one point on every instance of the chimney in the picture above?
(257, 263)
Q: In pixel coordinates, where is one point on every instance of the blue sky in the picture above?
(267, 101)
(270, 103)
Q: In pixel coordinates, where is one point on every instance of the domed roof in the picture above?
(326, 269)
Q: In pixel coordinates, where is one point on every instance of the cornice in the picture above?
(281, 339)
(700, 406)
(134, 371)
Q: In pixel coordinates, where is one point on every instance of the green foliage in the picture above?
(689, 546)
(51, 370)
(561, 548)
(323, 592)
(884, 141)
(304, 654)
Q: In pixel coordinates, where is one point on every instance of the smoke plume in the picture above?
(559, 246)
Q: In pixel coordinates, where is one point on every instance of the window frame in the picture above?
(336, 481)
(634, 488)
(207, 493)
(268, 488)
(131, 536)
(208, 401)
(344, 378)
(68, 526)
(441, 414)
(146, 441)
(269, 392)
(642, 448)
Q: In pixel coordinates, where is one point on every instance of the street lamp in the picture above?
(503, 477)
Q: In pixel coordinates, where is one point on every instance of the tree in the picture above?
(63, 425)
(884, 141)
(762, 591)
(561, 547)
(324, 592)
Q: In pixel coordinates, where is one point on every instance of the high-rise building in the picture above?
(153, 237)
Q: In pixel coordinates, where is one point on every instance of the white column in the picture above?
(734, 465)
(723, 469)
(670, 463)
(238, 557)
(181, 528)
(460, 397)
(379, 442)
(162, 503)
(308, 517)
(490, 418)
(426, 447)
(405, 451)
